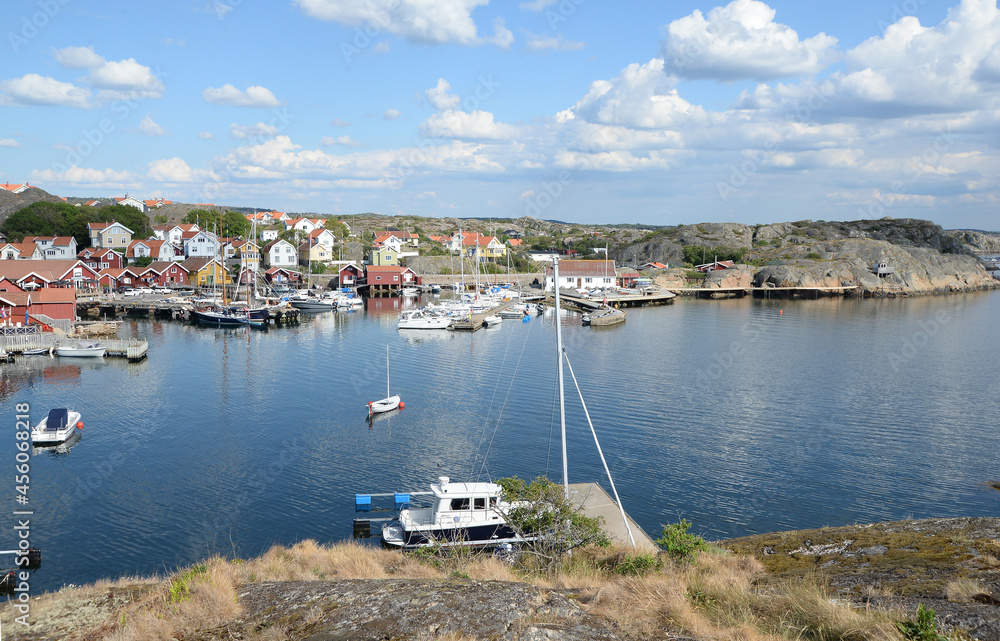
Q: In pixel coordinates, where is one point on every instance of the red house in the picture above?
(39, 274)
(98, 259)
(115, 278)
(164, 274)
(284, 275)
(351, 275)
(383, 277)
(41, 306)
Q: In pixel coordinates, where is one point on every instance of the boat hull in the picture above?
(219, 319)
(486, 535)
(41, 436)
(313, 306)
(384, 405)
(81, 352)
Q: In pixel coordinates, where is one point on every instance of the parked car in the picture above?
(128, 291)
(144, 290)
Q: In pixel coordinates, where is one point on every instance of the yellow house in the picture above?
(205, 272)
(316, 254)
(484, 247)
(383, 256)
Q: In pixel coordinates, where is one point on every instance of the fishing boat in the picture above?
(87, 350)
(314, 303)
(390, 402)
(220, 317)
(56, 428)
(462, 514)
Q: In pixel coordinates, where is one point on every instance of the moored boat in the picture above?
(88, 350)
(57, 427)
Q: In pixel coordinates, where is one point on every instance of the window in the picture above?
(479, 504)
(460, 504)
(588, 280)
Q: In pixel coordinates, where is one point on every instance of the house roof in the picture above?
(95, 252)
(97, 226)
(40, 296)
(156, 202)
(515, 242)
(159, 266)
(192, 265)
(130, 250)
(47, 270)
(10, 187)
(656, 265)
(116, 273)
(275, 270)
(584, 268)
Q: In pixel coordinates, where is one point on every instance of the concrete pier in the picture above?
(593, 501)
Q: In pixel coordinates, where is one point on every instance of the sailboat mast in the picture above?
(562, 393)
(387, 372)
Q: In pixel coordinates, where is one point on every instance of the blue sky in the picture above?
(579, 110)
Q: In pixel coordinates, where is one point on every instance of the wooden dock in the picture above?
(620, 300)
(104, 308)
(133, 350)
(593, 501)
(763, 292)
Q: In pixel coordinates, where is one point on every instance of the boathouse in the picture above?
(577, 274)
(350, 275)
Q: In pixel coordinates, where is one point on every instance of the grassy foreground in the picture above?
(717, 595)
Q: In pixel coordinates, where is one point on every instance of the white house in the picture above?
(15, 189)
(280, 253)
(200, 244)
(55, 247)
(267, 235)
(131, 202)
(391, 242)
(323, 237)
(302, 224)
(586, 274)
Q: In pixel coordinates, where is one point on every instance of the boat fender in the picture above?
(402, 405)
(79, 425)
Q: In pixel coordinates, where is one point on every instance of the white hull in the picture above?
(42, 435)
(313, 305)
(81, 352)
(383, 405)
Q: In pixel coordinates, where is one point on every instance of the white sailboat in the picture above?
(390, 402)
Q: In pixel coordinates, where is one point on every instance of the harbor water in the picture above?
(742, 416)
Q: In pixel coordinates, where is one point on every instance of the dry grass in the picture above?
(719, 596)
(965, 590)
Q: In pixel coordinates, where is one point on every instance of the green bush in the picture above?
(923, 629)
(679, 544)
(639, 564)
(814, 256)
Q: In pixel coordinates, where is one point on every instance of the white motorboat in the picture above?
(467, 514)
(390, 402)
(419, 319)
(314, 304)
(492, 321)
(410, 291)
(56, 428)
(88, 350)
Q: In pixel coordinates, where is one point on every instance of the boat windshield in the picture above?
(57, 419)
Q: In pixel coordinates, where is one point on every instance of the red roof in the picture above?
(584, 268)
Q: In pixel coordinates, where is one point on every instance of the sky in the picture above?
(659, 113)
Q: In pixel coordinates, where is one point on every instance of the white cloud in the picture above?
(432, 22)
(251, 131)
(742, 41)
(459, 125)
(641, 96)
(206, 135)
(381, 48)
(254, 96)
(337, 122)
(175, 170)
(82, 176)
(425, 195)
(9, 143)
(537, 5)
(150, 128)
(391, 114)
(343, 141)
(78, 57)
(526, 194)
(556, 43)
(125, 79)
(33, 89)
(439, 97)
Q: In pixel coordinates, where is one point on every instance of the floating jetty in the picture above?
(174, 310)
(16, 341)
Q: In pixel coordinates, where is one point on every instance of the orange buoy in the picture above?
(402, 405)
(780, 312)
(79, 425)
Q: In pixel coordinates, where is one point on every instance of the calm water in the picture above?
(742, 416)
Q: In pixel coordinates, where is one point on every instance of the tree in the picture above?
(37, 219)
(228, 224)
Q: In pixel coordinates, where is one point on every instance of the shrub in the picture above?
(923, 629)
(639, 564)
(679, 543)
(813, 256)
